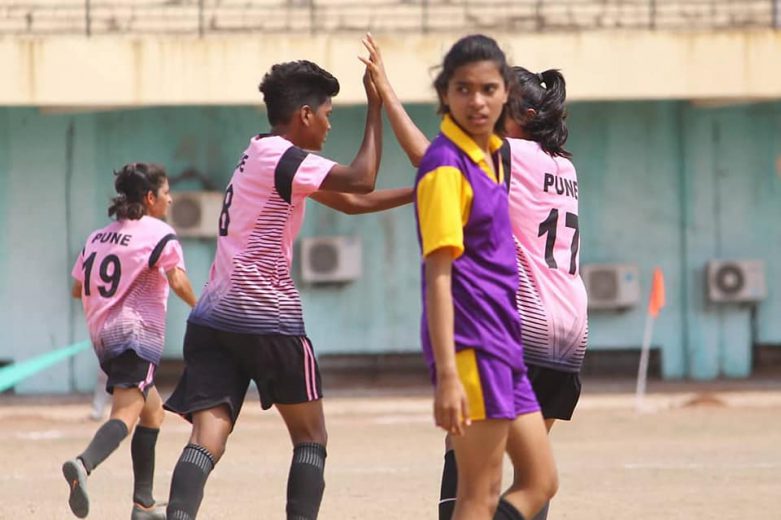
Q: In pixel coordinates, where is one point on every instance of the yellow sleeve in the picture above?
(444, 200)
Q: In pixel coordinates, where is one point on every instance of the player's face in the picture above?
(157, 204)
(319, 126)
(475, 97)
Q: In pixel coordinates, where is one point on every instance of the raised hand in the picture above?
(375, 65)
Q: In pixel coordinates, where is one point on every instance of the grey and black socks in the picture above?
(142, 451)
(103, 444)
(449, 486)
(305, 483)
(187, 483)
(507, 511)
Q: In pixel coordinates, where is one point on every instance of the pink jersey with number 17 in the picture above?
(122, 269)
(551, 296)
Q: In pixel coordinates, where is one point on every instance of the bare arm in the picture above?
(76, 290)
(361, 174)
(411, 139)
(450, 406)
(352, 204)
(180, 284)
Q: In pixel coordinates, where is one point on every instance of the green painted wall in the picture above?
(664, 184)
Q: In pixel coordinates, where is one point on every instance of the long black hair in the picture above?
(470, 49)
(133, 182)
(546, 93)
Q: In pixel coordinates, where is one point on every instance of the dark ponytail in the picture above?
(546, 93)
(133, 182)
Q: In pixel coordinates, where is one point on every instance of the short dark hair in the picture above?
(546, 93)
(471, 49)
(289, 86)
(133, 181)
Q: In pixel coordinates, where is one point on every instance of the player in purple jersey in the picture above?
(470, 327)
(248, 323)
(122, 277)
(557, 295)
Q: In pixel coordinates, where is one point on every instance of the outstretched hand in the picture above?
(374, 65)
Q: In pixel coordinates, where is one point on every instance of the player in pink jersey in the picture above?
(543, 192)
(122, 277)
(544, 212)
(248, 323)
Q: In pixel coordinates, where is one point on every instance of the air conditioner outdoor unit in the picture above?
(611, 286)
(195, 213)
(330, 259)
(736, 281)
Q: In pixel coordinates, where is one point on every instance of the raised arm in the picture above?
(180, 284)
(411, 139)
(361, 174)
(353, 204)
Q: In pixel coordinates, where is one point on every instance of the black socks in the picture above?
(447, 490)
(543, 514)
(103, 444)
(142, 450)
(187, 483)
(305, 483)
(507, 511)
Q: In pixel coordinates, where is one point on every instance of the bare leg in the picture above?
(534, 480)
(479, 454)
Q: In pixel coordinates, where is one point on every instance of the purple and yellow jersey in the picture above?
(462, 205)
(551, 295)
(122, 269)
(250, 289)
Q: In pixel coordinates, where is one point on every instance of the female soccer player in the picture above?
(470, 327)
(248, 324)
(122, 277)
(551, 301)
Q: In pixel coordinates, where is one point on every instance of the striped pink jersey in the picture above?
(124, 286)
(250, 289)
(551, 296)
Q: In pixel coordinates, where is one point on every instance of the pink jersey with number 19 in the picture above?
(124, 286)
(551, 296)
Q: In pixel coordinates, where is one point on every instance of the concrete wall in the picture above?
(123, 71)
(663, 183)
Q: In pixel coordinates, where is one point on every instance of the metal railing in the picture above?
(204, 17)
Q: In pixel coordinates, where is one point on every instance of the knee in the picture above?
(153, 418)
(549, 485)
(214, 444)
(315, 434)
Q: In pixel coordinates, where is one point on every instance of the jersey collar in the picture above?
(465, 143)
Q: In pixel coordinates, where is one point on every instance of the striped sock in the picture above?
(187, 483)
(305, 483)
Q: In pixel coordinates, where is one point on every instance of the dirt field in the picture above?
(695, 457)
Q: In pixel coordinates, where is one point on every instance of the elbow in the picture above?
(415, 159)
(367, 185)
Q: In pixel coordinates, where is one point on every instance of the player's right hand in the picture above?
(374, 64)
(451, 410)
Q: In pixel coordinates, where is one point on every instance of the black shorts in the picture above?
(218, 367)
(127, 370)
(557, 392)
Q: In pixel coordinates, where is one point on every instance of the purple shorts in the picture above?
(494, 388)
